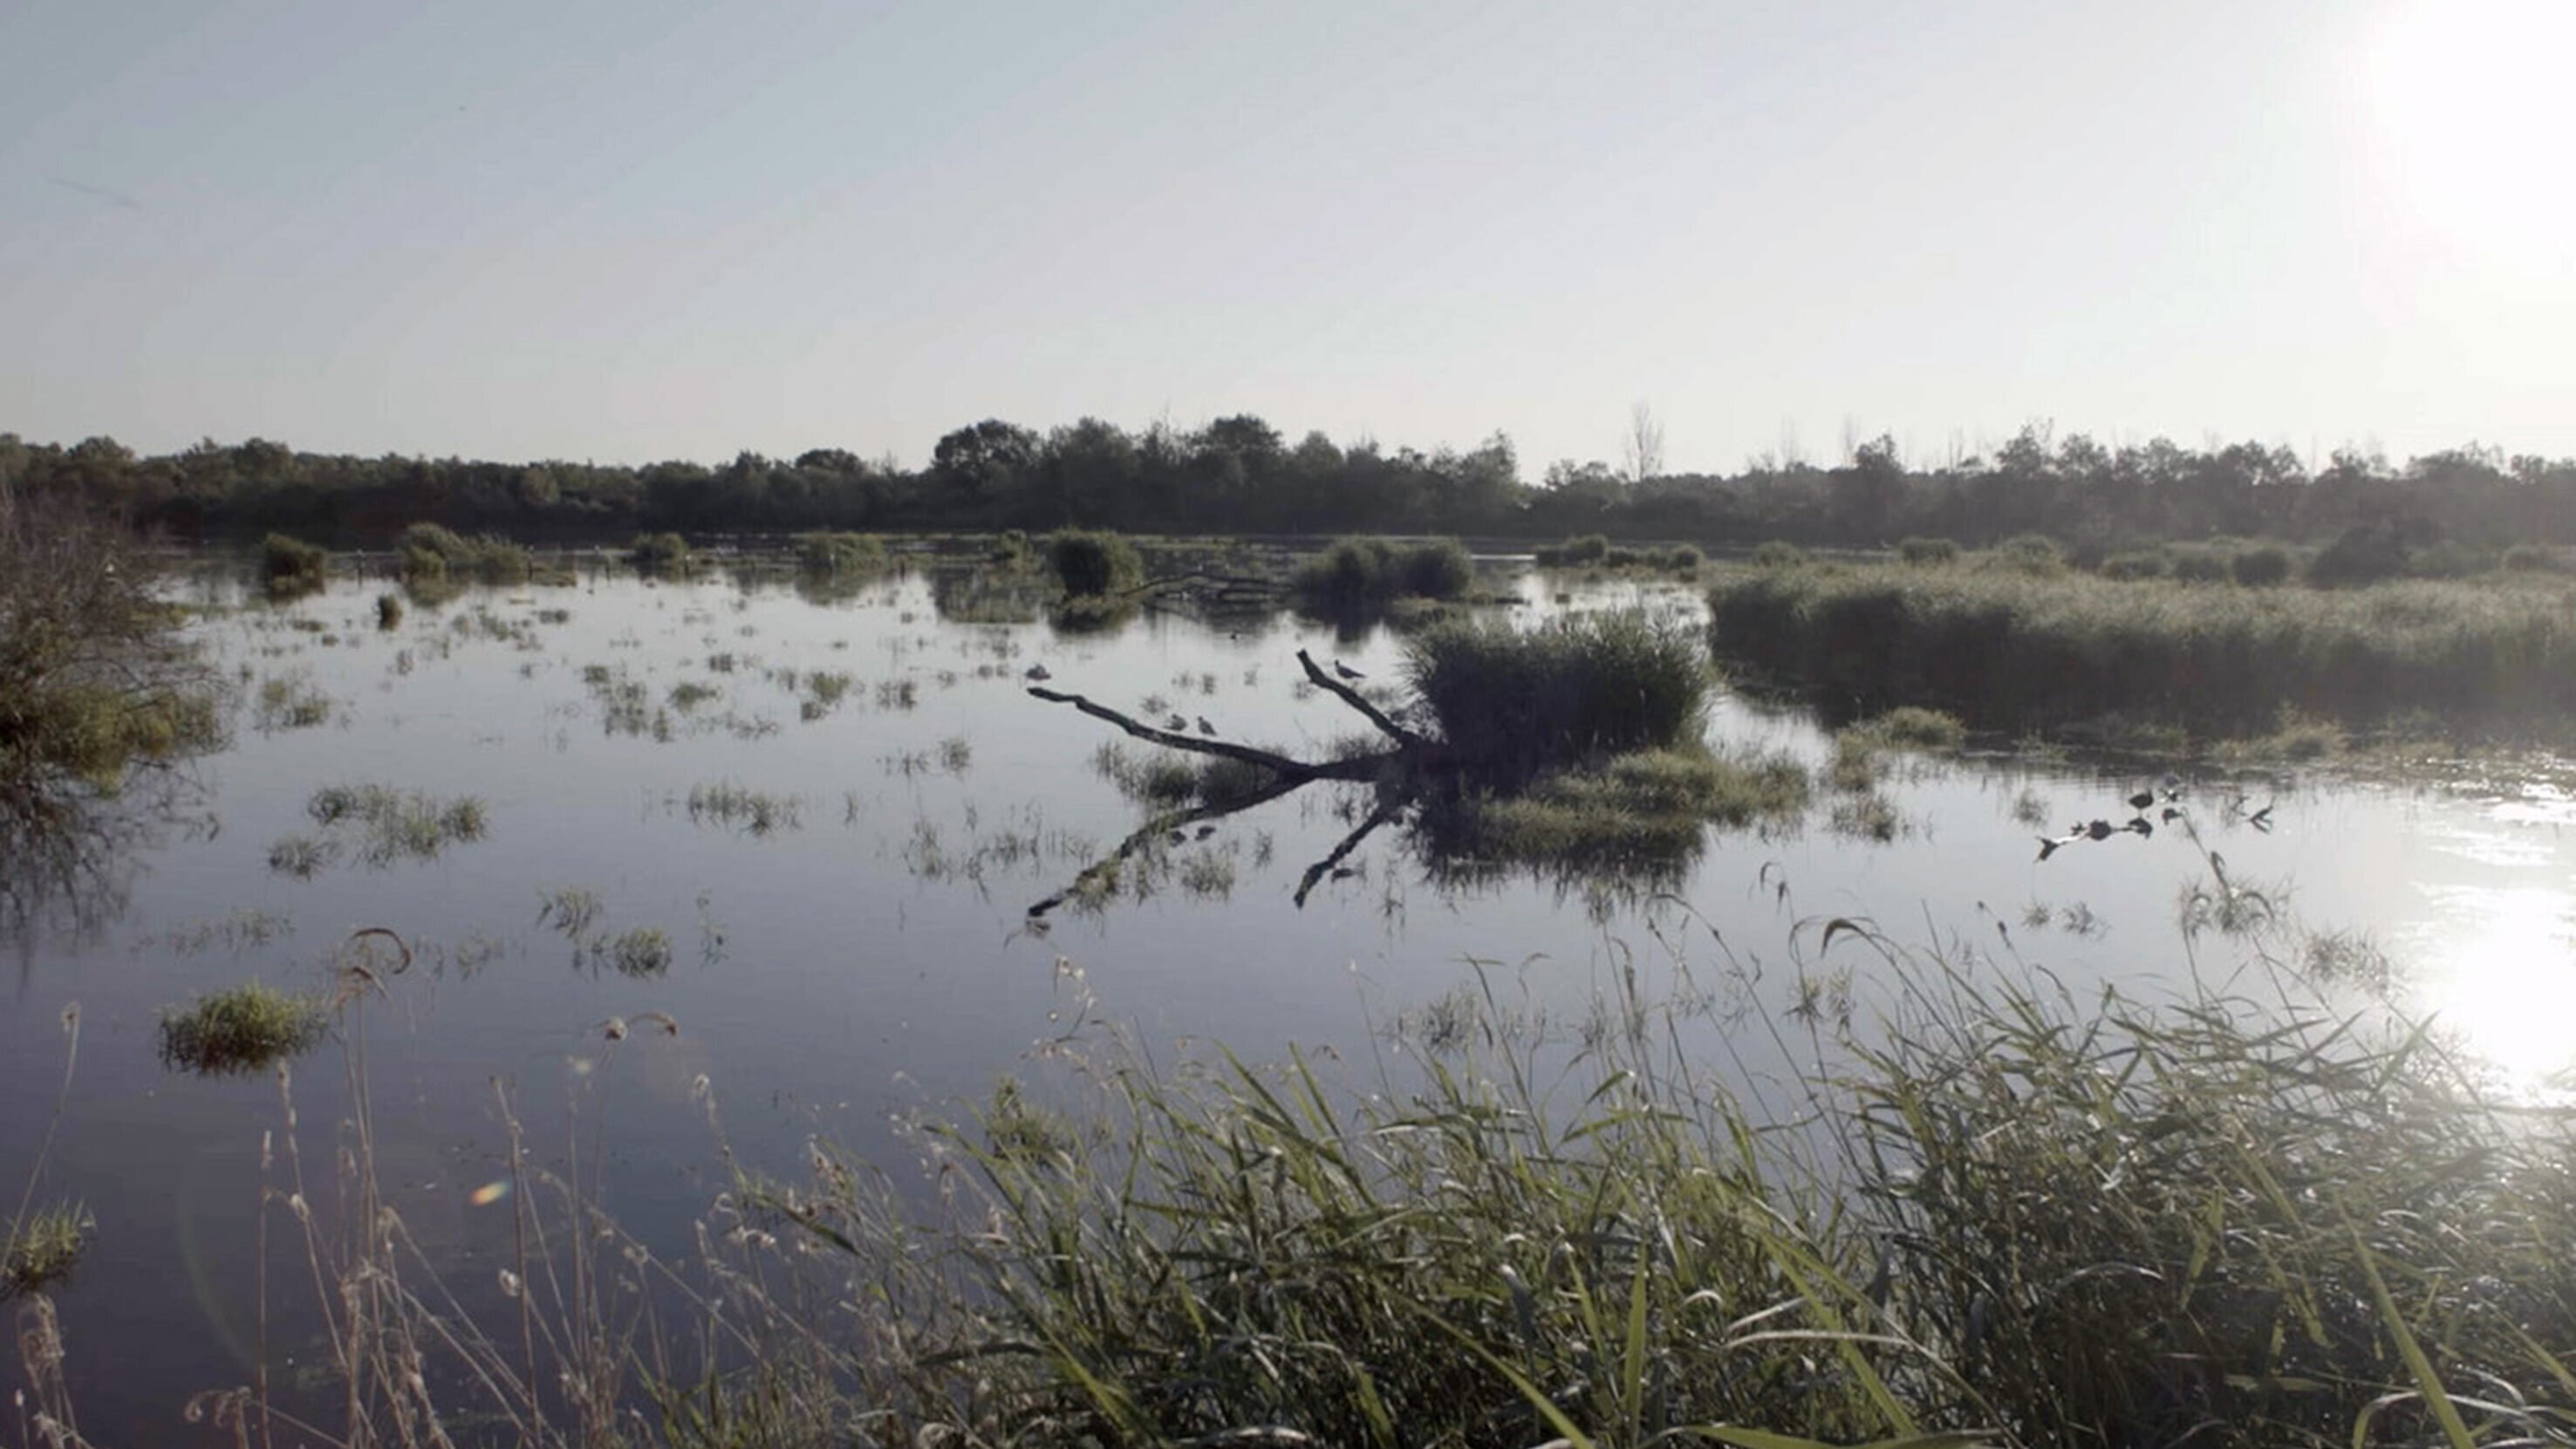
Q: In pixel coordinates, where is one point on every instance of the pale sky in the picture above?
(635, 230)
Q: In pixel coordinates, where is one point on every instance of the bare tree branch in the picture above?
(1351, 697)
(1151, 734)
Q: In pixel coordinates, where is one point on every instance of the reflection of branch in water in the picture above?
(1387, 810)
(1107, 866)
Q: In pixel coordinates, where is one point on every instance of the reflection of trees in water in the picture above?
(102, 700)
(71, 864)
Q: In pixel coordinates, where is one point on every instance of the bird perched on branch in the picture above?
(1346, 671)
(1204, 727)
(1039, 672)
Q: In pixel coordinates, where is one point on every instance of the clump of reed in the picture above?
(1779, 554)
(1575, 552)
(825, 552)
(389, 611)
(2222, 1222)
(1360, 575)
(1510, 702)
(738, 807)
(240, 1029)
(288, 565)
(2214, 561)
(42, 1246)
(1093, 563)
(661, 553)
(395, 825)
(1593, 550)
(434, 554)
(2010, 650)
(1857, 747)
(1927, 552)
(290, 702)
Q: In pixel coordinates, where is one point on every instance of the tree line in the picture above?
(1241, 475)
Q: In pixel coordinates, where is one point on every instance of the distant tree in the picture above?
(1642, 446)
(984, 465)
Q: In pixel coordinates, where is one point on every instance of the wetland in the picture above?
(698, 899)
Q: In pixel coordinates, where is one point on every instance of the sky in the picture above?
(636, 230)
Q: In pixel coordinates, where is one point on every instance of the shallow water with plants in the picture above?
(686, 870)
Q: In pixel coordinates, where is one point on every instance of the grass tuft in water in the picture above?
(39, 1252)
(433, 554)
(840, 553)
(394, 825)
(239, 1030)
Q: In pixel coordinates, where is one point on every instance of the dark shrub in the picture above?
(1778, 554)
(2030, 553)
(2362, 554)
(1928, 552)
(1093, 562)
(2262, 566)
(1356, 575)
(665, 553)
(291, 563)
(2200, 563)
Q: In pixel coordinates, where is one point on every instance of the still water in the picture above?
(843, 911)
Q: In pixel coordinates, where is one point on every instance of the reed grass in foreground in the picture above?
(2009, 1217)
(2016, 651)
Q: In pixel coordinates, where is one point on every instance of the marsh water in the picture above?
(836, 807)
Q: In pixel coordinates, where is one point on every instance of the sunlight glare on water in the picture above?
(2500, 970)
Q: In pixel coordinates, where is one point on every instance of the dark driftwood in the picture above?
(1289, 774)
(1351, 697)
(1362, 767)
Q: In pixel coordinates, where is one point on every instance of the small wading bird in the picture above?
(2142, 800)
(1179, 722)
(1346, 671)
(1204, 727)
(1039, 672)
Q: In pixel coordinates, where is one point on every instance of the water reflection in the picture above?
(805, 821)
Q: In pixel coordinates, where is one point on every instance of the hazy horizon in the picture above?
(631, 232)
